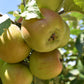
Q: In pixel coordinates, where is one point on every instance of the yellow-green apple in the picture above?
(45, 34)
(50, 4)
(16, 73)
(13, 48)
(45, 65)
(66, 37)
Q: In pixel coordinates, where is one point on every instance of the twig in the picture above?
(0, 14)
(24, 2)
(61, 12)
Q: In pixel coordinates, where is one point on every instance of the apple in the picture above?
(66, 37)
(16, 73)
(13, 48)
(45, 65)
(51, 4)
(46, 34)
(54, 5)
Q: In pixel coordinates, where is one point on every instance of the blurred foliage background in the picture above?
(73, 55)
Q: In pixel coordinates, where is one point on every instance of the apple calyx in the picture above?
(53, 37)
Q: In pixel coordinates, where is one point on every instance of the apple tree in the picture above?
(52, 29)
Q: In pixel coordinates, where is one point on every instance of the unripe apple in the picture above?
(16, 73)
(46, 34)
(50, 4)
(45, 65)
(12, 46)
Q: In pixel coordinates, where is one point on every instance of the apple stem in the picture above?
(20, 20)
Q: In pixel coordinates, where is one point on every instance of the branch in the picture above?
(0, 14)
(24, 2)
(61, 12)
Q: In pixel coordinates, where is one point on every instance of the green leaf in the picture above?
(75, 31)
(80, 66)
(82, 58)
(80, 43)
(68, 17)
(21, 7)
(74, 5)
(17, 17)
(39, 81)
(77, 81)
(81, 75)
(4, 23)
(74, 72)
(77, 15)
(10, 12)
(68, 75)
(73, 57)
(80, 3)
(31, 10)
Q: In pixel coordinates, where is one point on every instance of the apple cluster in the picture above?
(44, 36)
(13, 50)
